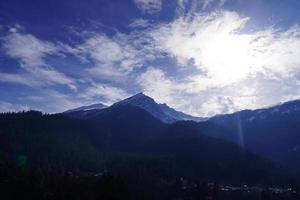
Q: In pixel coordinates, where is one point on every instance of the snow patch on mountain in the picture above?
(98, 106)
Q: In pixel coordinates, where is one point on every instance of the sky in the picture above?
(202, 57)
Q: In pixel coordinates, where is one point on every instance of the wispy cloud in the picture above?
(223, 56)
(149, 6)
(24, 79)
(207, 3)
(185, 7)
(111, 57)
(201, 63)
(139, 23)
(31, 52)
(115, 57)
(155, 83)
(53, 101)
(108, 94)
(10, 107)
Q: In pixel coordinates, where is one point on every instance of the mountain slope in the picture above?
(98, 106)
(59, 142)
(197, 155)
(85, 112)
(160, 111)
(272, 132)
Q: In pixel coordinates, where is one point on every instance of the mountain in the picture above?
(127, 139)
(273, 132)
(160, 111)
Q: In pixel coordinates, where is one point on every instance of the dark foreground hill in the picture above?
(123, 146)
(57, 142)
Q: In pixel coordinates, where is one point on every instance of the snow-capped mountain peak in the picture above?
(160, 111)
(140, 100)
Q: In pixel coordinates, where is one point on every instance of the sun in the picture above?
(228, 56)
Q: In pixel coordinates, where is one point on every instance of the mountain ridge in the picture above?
(97, 106)
(129, 131)
(271, 132)
(161, 111)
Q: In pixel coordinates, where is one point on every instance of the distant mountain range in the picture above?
(139, 135)
(273, 133)
(160, 111)
(127, 139)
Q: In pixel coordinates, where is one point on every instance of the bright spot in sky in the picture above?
(225, 53)
(228, 56)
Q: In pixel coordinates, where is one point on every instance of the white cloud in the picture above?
(216, 45)
(234, 69)
(139, 23)
(206, 40)
(18, 78)
(217, 104)
(107, 93)
(55, 101)
(111, 57)
(207, 3)
(52, 101)
(10, 107)
(149, 6)
(155, 84)
(177, 93)
(187, 7)
(32, 52)
(221, 67)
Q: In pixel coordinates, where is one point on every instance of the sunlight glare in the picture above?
(228, 56)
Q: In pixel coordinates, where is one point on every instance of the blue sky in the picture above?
(203, 57)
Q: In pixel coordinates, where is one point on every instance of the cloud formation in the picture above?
(31, 53)
(217, 46)
(149, 6)
(225, 56)
(201, 63)
(10, 107)
(155, 83)
(207, 3)
(107, 93)
(112, 57)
